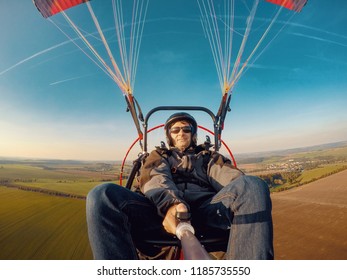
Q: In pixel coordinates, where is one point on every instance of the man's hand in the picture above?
(170, 222)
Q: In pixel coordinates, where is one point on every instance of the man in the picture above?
(183, 178)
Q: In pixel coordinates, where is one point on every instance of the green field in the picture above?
(319, 172)
(39, 225)
(36, 226)
(73, 180)
(308, 176)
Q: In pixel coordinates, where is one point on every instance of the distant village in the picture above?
(289, 166)
(293, 165)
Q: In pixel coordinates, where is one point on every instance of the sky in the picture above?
(56, 103)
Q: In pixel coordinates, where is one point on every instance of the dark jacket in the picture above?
(170, 176)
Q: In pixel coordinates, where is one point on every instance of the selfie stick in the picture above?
(192, 249)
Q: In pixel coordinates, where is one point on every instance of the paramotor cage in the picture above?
(137, 163)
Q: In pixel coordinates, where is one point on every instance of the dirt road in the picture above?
(310, 222)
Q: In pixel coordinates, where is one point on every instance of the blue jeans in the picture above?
(117, 217)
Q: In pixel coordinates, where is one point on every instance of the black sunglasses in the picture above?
(177, 129)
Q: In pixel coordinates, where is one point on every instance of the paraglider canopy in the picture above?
(295, 5)
(51, 7)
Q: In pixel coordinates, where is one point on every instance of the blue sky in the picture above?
(56, 103)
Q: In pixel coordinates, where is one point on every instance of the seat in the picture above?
(213, 240)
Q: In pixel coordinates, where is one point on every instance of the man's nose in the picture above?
(181, 132)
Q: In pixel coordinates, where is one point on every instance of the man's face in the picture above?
(181, 137)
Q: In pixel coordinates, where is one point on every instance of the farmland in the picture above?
(76, 179)
(286, 170)
(310, 222)
(42, 205)
(39, 226)
(42, 208)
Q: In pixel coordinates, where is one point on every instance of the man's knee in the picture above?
(251, 190)
(99, 190)
(256, 185)
(258, 192)
(101, 193)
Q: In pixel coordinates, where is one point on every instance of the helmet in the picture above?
(181, 116)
